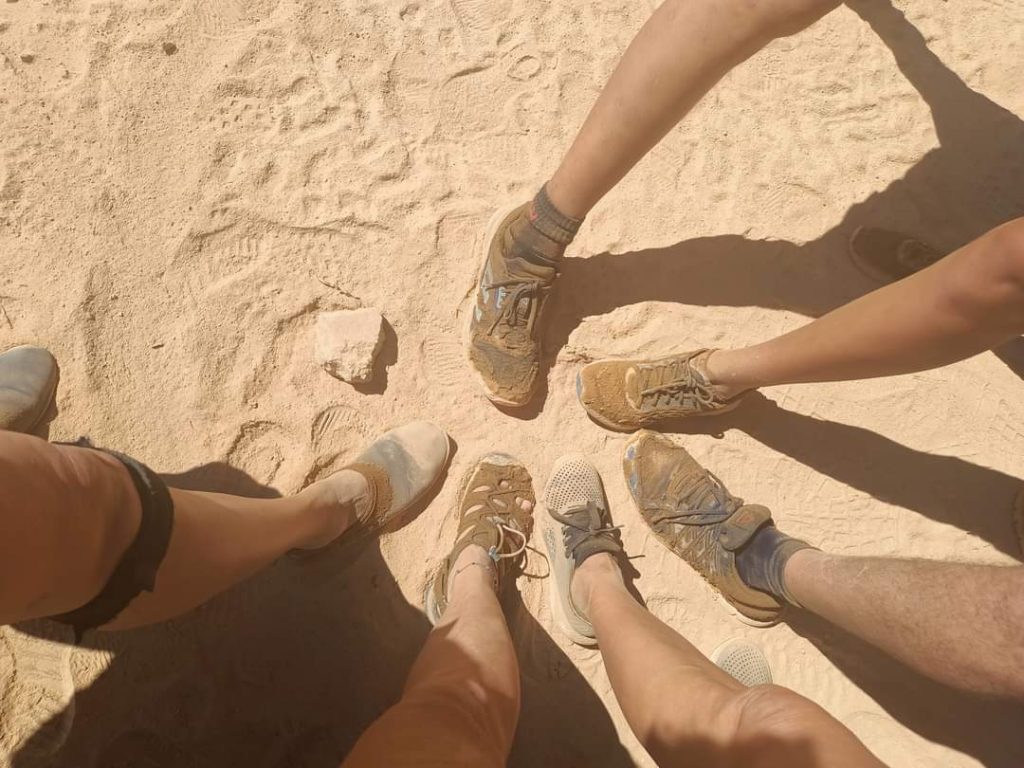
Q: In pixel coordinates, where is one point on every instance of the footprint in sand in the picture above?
(258, 450)
(37, 698)
(226, 18)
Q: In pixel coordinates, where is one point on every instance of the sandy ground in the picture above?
(185, 184)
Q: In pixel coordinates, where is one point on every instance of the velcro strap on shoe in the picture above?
(742, 525)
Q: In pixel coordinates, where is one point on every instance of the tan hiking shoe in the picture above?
(693, 514)
(887, 256)
(504, 343)
(491, 516)
(630, 394)
(28, 388)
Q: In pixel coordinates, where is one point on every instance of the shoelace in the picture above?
(668, 391)
(593, 513)
(520, 307)
(705, 489)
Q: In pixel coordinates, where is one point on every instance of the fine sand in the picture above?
(185, 184)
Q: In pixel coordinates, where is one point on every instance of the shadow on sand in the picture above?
(288, 669)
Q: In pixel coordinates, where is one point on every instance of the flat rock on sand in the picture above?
(347, 343)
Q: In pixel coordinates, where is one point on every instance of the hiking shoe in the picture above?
(693, 514)
(631, 394)
(491, 516)
(28, 389)
(504, 332)
(887, 256)
(742, 661)
(400, 468)
(579, 526)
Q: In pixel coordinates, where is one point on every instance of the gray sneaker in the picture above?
(579, 526)
(28, 389)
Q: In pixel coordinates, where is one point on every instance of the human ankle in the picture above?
(596, 571)
(472, 569)
(761, 563)
(541, 235)
(721, 372)
(333, 505)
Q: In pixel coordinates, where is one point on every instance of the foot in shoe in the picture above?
(495, 516)
(28, 387)
(520, 266)
(387, 478)
(631, 394)
(580, 537)
(694, 515)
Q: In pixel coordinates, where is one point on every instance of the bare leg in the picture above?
(684, 709)
(682, 51)
(969, 302)
(461, 701)
(960, 624)
(79, 507)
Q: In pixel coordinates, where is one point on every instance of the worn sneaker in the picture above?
(504, 343)
(28, 388)
(490, 515)
(579, 526)
(743, 661)
(631, 394)
(887, 256)
(693, 514)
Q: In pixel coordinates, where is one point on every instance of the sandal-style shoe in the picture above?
(492, 517)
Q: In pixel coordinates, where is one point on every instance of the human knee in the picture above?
(774, 712)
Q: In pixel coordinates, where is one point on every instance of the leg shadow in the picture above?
(286, 669)
(987, 729)
(943, 488)
(563, 721)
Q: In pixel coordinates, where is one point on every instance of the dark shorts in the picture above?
(136, 572)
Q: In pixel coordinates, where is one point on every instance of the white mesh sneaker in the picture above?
(743, 661)
(579, 526)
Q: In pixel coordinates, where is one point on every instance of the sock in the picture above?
(541, 236)
(762, 562)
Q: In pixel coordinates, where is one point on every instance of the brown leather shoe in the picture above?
(28, 389)
(693, 514)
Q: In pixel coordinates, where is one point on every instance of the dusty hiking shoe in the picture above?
(887, 256)
(693, 514)
(399, 469)
(504, 344)
(491, 516)
(630, 394)
(579, 526)
(28, 389)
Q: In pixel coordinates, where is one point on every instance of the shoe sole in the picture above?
(482, 249)
(614, 427)
(429, 601)
(554, 598)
